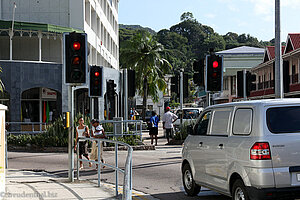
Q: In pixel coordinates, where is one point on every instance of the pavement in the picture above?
(31, 185)
(25, 185)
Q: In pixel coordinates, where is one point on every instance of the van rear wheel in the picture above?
(191, 188)
(239, 191)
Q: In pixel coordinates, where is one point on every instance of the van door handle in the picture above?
(200, 144)
(221, 146)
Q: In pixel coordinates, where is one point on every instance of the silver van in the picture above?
(246, 150)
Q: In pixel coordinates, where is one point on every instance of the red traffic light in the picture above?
(97, 74)
(215, 64)
(76, 46)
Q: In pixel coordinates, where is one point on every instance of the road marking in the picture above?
(135, 195)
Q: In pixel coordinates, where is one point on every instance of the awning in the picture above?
(36, 27)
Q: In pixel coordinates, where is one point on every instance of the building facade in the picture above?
(234, 60)
(291, 65)
(31, 55)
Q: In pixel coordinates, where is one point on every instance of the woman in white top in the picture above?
(82, 131)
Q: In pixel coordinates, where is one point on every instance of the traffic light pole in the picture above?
(181, 96)
(278, 54)
(244, 85)
(71, 135)
(125, 97)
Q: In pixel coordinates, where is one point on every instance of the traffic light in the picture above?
(198, 77)
(131, 83)
(95, 87)
(175, 85)
(75, 58)
(250, 83)
(185, 86)
(240, 83)
(286, 76)
(214, 73)
(110, 90)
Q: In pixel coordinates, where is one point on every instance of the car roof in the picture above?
(263, 102)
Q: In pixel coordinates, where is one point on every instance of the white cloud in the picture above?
(233, 8)
(263, 7)
(292, 4)
(210, 16)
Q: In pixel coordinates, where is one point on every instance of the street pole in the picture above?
(126, 98)
(244, 84)
(181, 96)
(71, 136)
(278, 54)
(12, 33)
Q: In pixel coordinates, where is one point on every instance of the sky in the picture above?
(254, 17)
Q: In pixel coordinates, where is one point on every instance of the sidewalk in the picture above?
(28, 185)
(161, 141)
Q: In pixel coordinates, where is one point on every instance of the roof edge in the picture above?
(18, 25)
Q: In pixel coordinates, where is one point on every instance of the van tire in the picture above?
(191, 188)
(239, 191)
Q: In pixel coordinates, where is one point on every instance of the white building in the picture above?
(31, 54)
(98, 18)
(234, 60)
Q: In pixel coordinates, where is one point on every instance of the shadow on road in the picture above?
(203, 195)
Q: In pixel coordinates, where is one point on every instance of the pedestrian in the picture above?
(168, 119)
(97, 132)
(153, 132)
(131, 114)
(82, 131)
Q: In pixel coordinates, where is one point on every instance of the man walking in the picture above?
(168, 119)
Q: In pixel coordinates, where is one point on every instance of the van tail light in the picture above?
(260, 151)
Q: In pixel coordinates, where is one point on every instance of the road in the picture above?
(155, 172)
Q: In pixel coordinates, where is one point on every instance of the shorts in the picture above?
(169, 132)
(83, 148)
(153, 131)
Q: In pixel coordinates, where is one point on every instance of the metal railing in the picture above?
(135, 127)
(127, 183)
(26, 127)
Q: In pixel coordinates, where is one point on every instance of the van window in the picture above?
(202, 125)
(242, 123)
(220, 123)
(188, 113)
(284, 119)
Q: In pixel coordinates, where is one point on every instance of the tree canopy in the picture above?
(189, 40)
(144, 54)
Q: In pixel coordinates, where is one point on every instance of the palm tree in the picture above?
(144, 55)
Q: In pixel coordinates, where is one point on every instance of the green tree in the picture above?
(186, 16)
(145, 55)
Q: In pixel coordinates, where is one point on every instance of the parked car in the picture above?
(247, 150)
(189, 114)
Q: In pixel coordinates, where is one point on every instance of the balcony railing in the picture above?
(266, 84)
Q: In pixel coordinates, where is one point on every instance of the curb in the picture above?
(65, 149)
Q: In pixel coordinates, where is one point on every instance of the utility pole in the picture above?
(71, 135)
(181, 95)
(278, 54)
(126, 98)
(244, 85)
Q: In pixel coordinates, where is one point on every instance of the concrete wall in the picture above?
(38, 11)
(77, 14)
